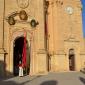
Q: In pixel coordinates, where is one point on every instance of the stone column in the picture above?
(41, 52)
(2, 60)
(1, 23)
(50, 27)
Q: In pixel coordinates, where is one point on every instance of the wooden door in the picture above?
(71, 63)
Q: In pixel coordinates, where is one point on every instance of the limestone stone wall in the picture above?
(35, 10)
(65, 32)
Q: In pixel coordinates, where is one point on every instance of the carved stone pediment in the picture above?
(23, 3)
(71, 39)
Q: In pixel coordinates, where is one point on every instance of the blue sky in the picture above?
(83, 15)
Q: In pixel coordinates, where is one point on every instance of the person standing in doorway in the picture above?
(20, 69)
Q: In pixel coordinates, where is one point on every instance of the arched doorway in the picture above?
(71, 60)
(17, 55)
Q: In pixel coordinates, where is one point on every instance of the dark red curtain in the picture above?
(46, 28)
(24, 52)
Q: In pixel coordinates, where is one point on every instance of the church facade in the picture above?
(53, 33)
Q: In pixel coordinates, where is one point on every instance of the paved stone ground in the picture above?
(66, 78)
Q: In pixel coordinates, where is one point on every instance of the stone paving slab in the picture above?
(66, 78)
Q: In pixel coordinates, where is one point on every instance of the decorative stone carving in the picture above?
(23, 3)
(34, 23)
(23, 15)
(23, 18)
(11, 20)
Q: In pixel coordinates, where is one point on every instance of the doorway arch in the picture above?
(29, 38)
(71, 60)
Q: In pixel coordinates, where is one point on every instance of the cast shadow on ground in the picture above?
(82, 80)
(50, 82)
(11, 82)
(8, 83)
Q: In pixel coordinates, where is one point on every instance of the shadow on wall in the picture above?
(3, 72)
(2, 69)
(3, 77)
(51, 82)
(82, 80)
